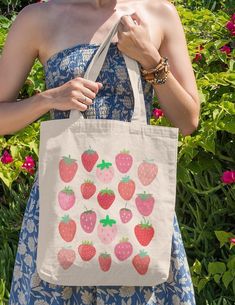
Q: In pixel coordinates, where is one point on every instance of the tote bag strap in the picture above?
(93, 70)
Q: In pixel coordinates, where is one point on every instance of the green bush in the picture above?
(205, 205)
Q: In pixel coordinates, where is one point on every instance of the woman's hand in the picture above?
(77, 93)
(134, 41)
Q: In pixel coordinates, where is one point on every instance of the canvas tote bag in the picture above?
(106, 195)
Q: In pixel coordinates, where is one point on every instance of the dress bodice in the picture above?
(115, 99)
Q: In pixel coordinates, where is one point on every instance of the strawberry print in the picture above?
(107, 230)
(123, 161)
(126, 188)
(147, 171)
(105, 172)
(105, 198)
(88, 220)
(123, 249)
(66, 198)
(89, 158)
(105, 261)
(144, 203)
(88, 189)
(86, 250)
(141, 262)
(125, 214)
(67, 168)
(144, 232)
(67, 228)
(66, 257)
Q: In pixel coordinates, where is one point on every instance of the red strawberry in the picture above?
(105, 261)
(86, 250)
(141, 262)
(147, 171)
(105, 172)
(66, 198)
(89, 158)
(67, 228)
(123, 249)
(123, 161)
(88, 220)
(144, 233)
(67, 168)
(125, 214)
(66, 257)
(88, 189)
(105, 198)
(126, 188)
(144, 203)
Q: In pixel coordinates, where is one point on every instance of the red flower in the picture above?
(233, 18)
(228, 177)
(226, 49)
(6, 157)
(29, 165)
(157, 113)
(197, 57)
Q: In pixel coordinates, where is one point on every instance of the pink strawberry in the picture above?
(86, 250)
(67, 228)
(123, 249)
(88, 189)
(144, 233)
(66, 257)
(126, 188)
(105, 261)
(105, 198)
(144, 203)
(105, 172)
(88, 220)
(125, 214)
(89, 158)
(141, 262)
(67, 168)
(147, 171)
(66, 198)
(107, 230)
(124, 161)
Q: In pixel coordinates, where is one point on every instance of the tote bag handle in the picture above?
(93, 70)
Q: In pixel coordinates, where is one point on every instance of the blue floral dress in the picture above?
(114, 101)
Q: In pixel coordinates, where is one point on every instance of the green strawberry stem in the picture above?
(87, 211)
(143, 253)
(65, 218)
(107, 221)
(104, 165)
(105, 254)
(125, 151)
(107, 191)
(126, 179)
(124, 240)
(90, 151)
(87, 242)
(126, 205)
(68, 159)
(149, 160)
(145, 224)
(144, 195)
(67, 190)
(88, 181)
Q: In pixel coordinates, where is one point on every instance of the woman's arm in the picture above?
(178, 97)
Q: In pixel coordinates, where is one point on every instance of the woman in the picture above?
(64, 35)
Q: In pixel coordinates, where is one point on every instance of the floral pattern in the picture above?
(114, 101)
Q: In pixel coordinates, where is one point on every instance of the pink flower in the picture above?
(157, 113)
(230, 26)
(225, 49)
(29, 164)
(228, 177)
(232, 240)
(233, 18)
(6, 157)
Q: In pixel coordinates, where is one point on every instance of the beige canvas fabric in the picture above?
(107, 195)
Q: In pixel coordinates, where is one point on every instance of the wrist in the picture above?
(151, 58)
(45, 100)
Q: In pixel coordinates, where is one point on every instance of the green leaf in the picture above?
(227, 278)
(217, 278)
(202, 283)
(216, 267)
(197, 267)
(223, 237)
